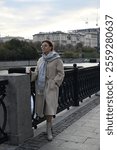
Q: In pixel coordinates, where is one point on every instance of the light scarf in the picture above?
(42, 68)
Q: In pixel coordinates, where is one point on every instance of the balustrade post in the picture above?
(19, 124)
(76, 100)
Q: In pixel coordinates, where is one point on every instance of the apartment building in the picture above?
(57, 37)
(89, 37)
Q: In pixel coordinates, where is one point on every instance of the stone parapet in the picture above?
(18, 103)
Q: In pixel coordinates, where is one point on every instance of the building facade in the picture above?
(57, 37)
(89, 37)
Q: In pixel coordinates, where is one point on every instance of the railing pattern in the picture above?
(3, 111)
(66, 91)
(78, 84)
(88, 82)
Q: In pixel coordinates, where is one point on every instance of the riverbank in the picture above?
(4, 65)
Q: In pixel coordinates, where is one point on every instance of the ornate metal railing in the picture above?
(3, 111)
(66, 91)
(88, 82)
(78, 84)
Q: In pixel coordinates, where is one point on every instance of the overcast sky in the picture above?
(28, 17)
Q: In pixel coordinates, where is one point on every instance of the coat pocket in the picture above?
(52, 84)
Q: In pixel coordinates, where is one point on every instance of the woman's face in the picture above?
(46, 48)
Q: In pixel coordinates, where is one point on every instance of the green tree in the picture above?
(18, 50)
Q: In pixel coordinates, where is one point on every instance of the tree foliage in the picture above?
(22, 50)
(18, 50)
(79, 51)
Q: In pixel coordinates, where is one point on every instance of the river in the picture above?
(84, 65)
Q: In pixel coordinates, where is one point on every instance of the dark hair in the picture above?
(49, 43)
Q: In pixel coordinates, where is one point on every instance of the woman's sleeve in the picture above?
(60, 73)
(34, 75)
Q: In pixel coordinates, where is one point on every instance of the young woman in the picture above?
(49, 75)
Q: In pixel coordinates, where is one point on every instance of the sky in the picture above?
(28, 17)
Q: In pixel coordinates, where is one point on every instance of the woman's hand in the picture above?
(28, 70)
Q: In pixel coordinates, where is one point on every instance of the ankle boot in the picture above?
(49, 131)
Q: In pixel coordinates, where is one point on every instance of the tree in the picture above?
(18, 50)
(79, 46)
(69, 47)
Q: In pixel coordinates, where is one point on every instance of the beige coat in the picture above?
(47, 103)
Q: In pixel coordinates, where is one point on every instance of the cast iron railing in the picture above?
(78, 84)
(3, 111)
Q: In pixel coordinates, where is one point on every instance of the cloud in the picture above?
(32, 0)
(72, 19)
(28, 17)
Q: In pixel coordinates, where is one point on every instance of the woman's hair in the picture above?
(49, 43)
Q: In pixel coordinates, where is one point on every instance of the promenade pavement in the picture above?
(74, 129)
(84, 134)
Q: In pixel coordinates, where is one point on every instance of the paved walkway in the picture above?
(78, 130)
(83, 134)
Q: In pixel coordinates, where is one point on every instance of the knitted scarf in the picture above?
(42, 68)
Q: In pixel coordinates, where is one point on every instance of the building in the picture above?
(57, 37)
(89, 37)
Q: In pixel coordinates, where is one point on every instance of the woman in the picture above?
(49, 75)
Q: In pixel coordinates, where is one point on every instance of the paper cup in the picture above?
(27, 69)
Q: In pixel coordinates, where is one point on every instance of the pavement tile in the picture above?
(78, 131)
(77, 136)
(86, 133)
(79, 146)
(53, 145)
(7, 147)
(72, 138)
(92, 141)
